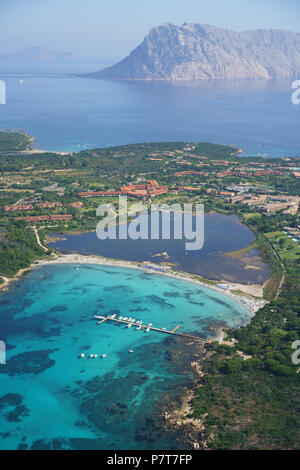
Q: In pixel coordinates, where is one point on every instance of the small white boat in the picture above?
(131, 350)
(139, 327)
(129, 325)
(120, 318)
(125, 318)
(96, 355)
(82, 355)
(147, 330)
(113, 316)
(104, 356)
(91, 356)
(150, 324)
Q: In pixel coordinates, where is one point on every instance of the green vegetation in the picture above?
(239, 253)
(14, 141)
(18, 250)
(287, 248)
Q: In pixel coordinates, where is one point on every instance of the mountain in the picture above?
(37, 54)
(202, 52)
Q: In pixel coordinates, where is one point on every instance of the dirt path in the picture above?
(38, 239)
(282, 280)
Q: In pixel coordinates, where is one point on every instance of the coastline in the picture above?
(250, 296)
(180, 416)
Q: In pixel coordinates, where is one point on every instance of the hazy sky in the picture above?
(110, 29)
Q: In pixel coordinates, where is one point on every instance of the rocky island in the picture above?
(202, 52)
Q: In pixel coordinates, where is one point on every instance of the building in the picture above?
(280, 206)
(267, 172)
(49, 205)
(149, 189)
(76, 204)
(232, 173)
(227, 194)
(44, 218)
(188, 188)
(256, 200)
(185, 173)
(100, 194)
(19, 208)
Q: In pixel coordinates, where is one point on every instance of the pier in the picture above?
(149, 327)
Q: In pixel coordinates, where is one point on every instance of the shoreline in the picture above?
(249, 296)
(180, 416)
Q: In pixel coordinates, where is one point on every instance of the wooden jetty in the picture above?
(148, 327)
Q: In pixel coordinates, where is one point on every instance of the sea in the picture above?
(52, 398)
(66, 112)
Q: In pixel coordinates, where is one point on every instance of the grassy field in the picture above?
(251, 215)
(285, 246)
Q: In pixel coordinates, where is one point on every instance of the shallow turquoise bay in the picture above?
(51, 398)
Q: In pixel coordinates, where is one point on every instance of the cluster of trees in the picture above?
(14, 141)
(18, 250)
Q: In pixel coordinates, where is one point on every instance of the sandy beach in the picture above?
(250, 296)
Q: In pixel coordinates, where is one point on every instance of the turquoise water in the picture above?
(51, 398)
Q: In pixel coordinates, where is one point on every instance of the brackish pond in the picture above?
(223, 234)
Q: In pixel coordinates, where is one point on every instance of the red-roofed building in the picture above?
(76, 204)
(227, 193)
(267, 172)
(49, 205)
(150, 189)
(19, 208)
(188, 188)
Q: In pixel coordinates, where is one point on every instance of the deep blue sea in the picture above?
(70, 114)
(52, 398)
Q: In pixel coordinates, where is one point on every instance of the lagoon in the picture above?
(222, 234)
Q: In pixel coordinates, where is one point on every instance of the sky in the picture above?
(110, 29)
